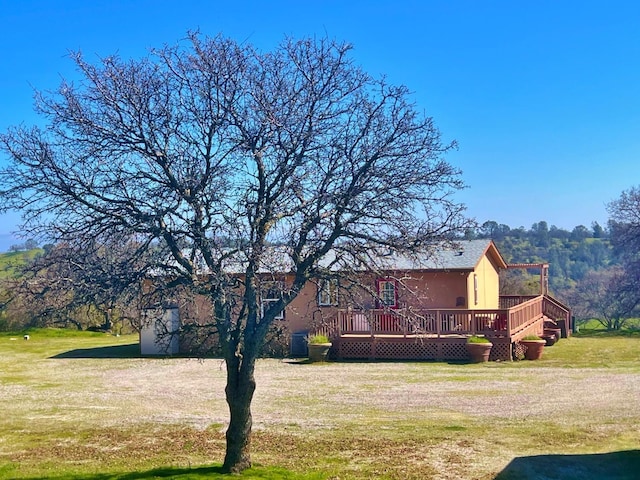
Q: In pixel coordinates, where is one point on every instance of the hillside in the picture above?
(11, 260)
(570, 254)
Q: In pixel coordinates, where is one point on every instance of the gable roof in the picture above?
(462, 255)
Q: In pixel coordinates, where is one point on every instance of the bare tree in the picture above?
(624, 223)
(609, 296)
(87, 284)
(211, 152)
(624, 232)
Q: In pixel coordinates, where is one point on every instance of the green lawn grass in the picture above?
(594, 327)
(83, 405)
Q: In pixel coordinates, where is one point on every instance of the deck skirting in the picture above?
(366, 347)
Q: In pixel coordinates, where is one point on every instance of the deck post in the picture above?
(404, 324)
(371, 316)
(438, 323)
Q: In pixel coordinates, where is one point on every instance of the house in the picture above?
(421, 307)
(426, 307)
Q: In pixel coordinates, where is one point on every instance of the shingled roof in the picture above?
(463, 255)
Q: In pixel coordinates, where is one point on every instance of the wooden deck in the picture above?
(441, 334)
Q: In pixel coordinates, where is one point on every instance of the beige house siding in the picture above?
(303, 312)
(430, 290)
(434, 289)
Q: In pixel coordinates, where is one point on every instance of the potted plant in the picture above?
(319, 346)
(533, 347)
(479, 348)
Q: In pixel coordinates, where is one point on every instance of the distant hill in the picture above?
(570, 254)
(10, 261)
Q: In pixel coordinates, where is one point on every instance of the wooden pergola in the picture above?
(544, 273)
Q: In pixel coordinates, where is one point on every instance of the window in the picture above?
(475, 289)
(387, 292)
(328, 292)
(266, 303)
(271, 293)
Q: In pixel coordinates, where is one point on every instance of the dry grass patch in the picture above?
(341, 420)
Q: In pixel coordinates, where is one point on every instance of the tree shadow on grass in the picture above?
(601, 333)
(131, 350)
(624, 465)
(210, 472)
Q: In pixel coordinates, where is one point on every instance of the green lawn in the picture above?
(85, 406)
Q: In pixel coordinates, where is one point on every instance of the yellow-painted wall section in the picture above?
(483, 286)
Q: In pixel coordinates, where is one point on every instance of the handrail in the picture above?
(508, 301)
(556, 309)
(522, 316)
(514, 322)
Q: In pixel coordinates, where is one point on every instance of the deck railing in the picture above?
(523, 315)
(556, 310)
(421, 322)
(508, 301)
(516, 315)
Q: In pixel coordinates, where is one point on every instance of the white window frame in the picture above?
(385, 288)
(475, 289)
(328, 292)
(271, 297)
(264, 305)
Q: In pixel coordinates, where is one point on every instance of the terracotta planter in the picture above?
(318, 352)
(479, 352)
(534, 349)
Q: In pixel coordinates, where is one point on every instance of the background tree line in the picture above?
(571, 254)
(66, 285)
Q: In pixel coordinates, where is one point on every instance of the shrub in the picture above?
(477, 339)
(319, 339)
(533, 337)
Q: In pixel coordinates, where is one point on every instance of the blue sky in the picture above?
(543, 97)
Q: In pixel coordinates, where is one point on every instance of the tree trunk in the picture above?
(107, 325)
(239, 393)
